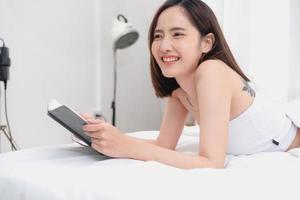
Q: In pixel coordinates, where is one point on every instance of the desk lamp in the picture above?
(124, 35)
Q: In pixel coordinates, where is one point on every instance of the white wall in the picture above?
(236, 26)
(217, 7)
(259, 34)
(63, 49)
(53, 50)
(137, 107)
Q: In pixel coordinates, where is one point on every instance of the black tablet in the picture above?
(69, 119)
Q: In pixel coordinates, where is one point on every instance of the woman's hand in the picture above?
(106, 138)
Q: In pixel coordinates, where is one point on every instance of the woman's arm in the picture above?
(214, 97)
(172, 124)
(214, 91)
(150, 141)
(148, 152)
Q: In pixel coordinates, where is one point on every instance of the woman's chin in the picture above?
(168, 75)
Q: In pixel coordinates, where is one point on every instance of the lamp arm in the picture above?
(2, 42)
(123, 17)
(113, 103)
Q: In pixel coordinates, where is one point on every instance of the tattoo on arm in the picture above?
(248, 88)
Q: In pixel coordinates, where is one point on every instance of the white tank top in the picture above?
(264, 126)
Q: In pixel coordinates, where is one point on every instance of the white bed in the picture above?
(74, 172)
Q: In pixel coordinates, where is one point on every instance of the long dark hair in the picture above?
(203, 18)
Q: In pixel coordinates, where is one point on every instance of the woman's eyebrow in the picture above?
(177, 29)
(158, 31)
(170, 30)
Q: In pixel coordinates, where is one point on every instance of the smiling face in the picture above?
(177, 43)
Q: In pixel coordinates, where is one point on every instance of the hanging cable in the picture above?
(4, 76)
(7, 120)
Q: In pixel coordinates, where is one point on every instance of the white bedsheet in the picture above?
(74, 172)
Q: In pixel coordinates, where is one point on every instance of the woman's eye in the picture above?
(157, 36)
(178, 34)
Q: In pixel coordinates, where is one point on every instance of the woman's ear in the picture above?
(207, 42)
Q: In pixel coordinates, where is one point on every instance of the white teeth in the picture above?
(171, 59)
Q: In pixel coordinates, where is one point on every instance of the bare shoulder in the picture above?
(214, 70)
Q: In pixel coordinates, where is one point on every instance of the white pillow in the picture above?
(292, 110)
(191, 131)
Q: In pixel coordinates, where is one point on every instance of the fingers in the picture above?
(92, 127)
(96, 130)
(100, 145)
(90, 119)
(94, 121)
(91, 116)
(87, 116)
(98, 142)
(95, 135)
(97, 147)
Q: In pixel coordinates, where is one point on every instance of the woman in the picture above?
(194, 69)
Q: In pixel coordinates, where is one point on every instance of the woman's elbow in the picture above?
(214, 160)
(210, 165)
(215, 164)
(218, 164)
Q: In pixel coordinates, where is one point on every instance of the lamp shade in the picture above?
(123, 33)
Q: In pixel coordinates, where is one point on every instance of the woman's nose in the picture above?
(165, 45)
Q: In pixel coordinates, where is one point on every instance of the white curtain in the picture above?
(294, 85)
(264, 37)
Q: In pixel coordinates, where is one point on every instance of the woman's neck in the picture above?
(188, 84)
